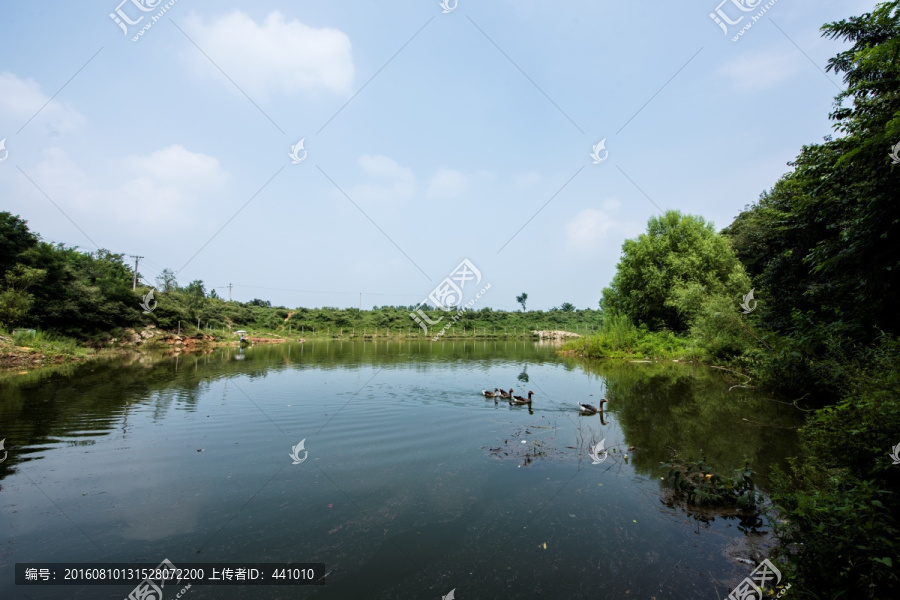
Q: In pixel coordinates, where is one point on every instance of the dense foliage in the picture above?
(666, 275)
(823, 247)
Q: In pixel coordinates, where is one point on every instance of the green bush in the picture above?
(839, 507)
(617, 337)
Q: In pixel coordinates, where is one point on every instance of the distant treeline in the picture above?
(89, 296)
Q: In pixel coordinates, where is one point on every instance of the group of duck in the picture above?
(587, 409)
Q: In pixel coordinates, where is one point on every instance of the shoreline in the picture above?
(150, 339)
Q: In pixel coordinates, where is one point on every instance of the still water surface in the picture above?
(414, 484)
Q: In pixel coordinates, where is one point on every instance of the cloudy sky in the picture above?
(428, 137)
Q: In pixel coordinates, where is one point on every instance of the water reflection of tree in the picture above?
(665, 407)
(747, 522)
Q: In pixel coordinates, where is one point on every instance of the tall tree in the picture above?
(166, 281)
(521, 299)
(665, 275)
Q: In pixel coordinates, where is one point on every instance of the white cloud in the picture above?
(400, 182)
(446, 184)
(176, 166)
(382, 166)
(592, 227)
(21, 99)
(165, 186)
(757, 71)
(277, 56)
(612, 204)
(526, 180)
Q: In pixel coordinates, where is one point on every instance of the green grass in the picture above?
(50, 344)
(618, 337)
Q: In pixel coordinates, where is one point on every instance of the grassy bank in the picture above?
(35, 348)
(618, 337)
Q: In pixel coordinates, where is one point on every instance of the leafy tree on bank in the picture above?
(666, 275)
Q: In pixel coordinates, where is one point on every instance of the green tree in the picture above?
(666, 274)
(567, 307)
(15, 238)
(166, 281)
(521, 299)
(195, 299)
(15, 301)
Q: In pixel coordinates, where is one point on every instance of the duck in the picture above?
(488, 394)
(521, 400)
(590, 409)
(506, 395)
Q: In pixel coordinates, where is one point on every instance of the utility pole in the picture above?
(134, 280)
(229, 292)
(360, 302)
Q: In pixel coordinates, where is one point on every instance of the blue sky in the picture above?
(430, 137)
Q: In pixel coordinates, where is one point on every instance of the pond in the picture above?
(409, 483)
